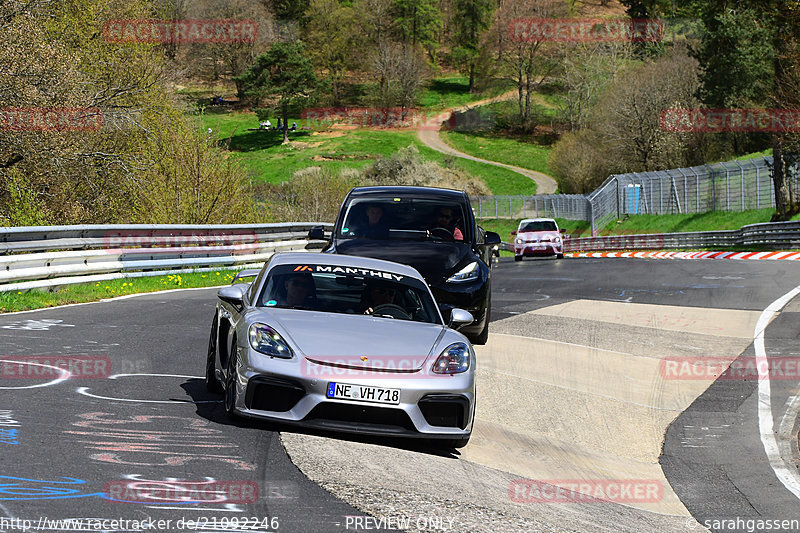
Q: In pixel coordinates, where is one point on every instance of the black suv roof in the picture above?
(416, 192)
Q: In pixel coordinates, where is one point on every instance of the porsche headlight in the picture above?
(468, 273)
(266, 340)
(453, 360)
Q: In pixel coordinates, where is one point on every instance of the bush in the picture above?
(314, 194)
(578, 163)
(407, 167)
(195, 182)
(22, 206)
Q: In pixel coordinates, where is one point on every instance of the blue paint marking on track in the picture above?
(8, 436)
(40, 489)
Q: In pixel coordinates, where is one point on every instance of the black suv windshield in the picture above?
(404, 219)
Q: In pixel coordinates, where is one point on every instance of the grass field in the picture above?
(503, 149)
(715, 220)
(11, 301)
(268, 160)
(635, 224)
(453, 91)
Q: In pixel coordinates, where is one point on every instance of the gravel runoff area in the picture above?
(599, 413)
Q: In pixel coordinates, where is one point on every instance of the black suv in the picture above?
(432, 230)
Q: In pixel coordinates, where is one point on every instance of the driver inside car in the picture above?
(377, 294)
(446, 219)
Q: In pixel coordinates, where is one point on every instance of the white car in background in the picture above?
(538, 237)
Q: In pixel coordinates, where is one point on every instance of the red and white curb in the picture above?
(773, 256)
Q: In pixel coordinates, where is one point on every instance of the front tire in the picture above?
(559, 256)
(231, 395)
(482, 337)
(212, 383)
(517, 258)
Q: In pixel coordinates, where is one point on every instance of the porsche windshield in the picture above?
(349, 290)
(404, 219)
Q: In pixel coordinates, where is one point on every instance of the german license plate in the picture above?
(363, 393)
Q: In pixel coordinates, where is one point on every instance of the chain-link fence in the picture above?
(729, 186)
(569, 206)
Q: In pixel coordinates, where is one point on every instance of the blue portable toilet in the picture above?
(632, 194)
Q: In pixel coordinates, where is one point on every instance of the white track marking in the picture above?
(85, 390)
(787, 475)
(65, 375)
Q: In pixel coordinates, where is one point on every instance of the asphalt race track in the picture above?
(571, 386)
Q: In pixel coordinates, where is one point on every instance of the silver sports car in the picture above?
(346, 344)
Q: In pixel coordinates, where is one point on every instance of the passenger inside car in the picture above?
(296, 291)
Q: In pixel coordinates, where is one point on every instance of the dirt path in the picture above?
(428, 133)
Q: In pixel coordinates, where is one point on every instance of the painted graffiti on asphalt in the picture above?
(8, 427)
(141, 441)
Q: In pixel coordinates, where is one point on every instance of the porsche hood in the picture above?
(381, 344)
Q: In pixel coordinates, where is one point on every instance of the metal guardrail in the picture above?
(777, 234)
(45, 256)
(33, 257)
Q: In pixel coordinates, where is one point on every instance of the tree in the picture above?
(418, 22)
(289, 10)
(376, 29)
(525, 60)
(639, 9)
(216, 60)
(578, 162)
(331, 40)
(749, 55)
(586, 69)
(471, 18)
(737, 57)
(401, 71)
(786, 95)
(627, 115)
(283, 74)
(54, 58)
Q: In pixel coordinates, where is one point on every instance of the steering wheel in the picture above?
(442, 233)
(393, 310)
